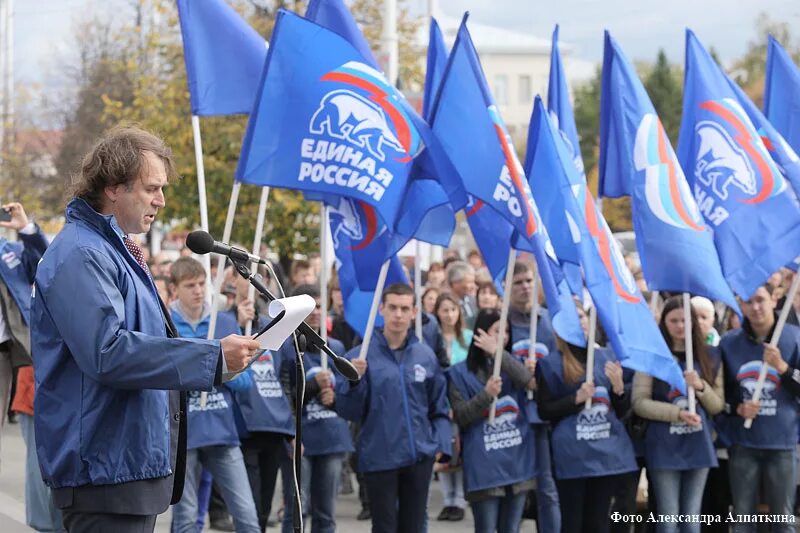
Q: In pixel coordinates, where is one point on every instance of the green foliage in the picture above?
(664, 85)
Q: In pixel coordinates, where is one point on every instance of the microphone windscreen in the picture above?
(200, 242)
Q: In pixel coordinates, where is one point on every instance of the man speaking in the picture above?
(111, 438)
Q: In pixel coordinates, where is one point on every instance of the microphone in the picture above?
(201, 242)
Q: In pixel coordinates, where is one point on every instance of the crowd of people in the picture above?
(113, 329)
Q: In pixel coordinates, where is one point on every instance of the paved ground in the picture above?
(12, 498)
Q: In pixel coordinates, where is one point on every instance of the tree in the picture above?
(749, 71)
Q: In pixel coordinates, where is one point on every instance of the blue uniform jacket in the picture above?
(102, 360)
(212, 424)
(401, 405)
(18, 267)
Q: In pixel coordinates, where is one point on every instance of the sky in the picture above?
(44, 29)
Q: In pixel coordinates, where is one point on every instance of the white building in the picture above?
(517, 68)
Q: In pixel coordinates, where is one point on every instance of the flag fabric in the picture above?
(561, 114)
(434, 70)
(425, 213)
(334, 15)
(740, 191)
(467, 121)
(636, 158)
(224, 58)
(359, 242)
(782, 93)
(566, 201)
(327, 121)
(781, 152)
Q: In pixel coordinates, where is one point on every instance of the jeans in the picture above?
(547, 506)
(40, 512)
(678, 492)
(319, 487)
(398, 498)
(227, 467)
(502, 515)
(452, 485)
(774, 470)
(203, 498)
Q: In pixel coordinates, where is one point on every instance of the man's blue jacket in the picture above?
(103, 362)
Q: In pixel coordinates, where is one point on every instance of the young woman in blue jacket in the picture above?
(499, 467)
(679, 448)
(591, 449)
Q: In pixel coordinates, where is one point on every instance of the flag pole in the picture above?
(687, 328)
(592, 330)
(323, 280)
(226, 236)
(262, 208)
(590, 350)
(418, 287)
(373, 310)
(201, 194)
(501, 332)
(776, 335)
(534, 324)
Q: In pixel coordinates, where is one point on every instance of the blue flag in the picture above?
(425, 213)
(434, 71)
(675, 246)
(326, 121)
(484, 157)
(359, 241)
(566, 200)
(740, 191)
(561, 114)
(782, 154)
(224, 58)
(334, 15)
(782, 93)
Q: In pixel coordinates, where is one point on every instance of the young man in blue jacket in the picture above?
(17, 269)
(764, 455)
(111, 438)
(213, 440)
(401, 405)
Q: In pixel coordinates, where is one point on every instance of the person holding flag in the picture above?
(591, 449)
(402, 380)
(499, 462)
(678, 445)
(764, 454)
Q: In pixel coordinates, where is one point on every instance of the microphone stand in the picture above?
(304, 337)
(343, 366)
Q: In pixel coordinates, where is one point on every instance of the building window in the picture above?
(501, 89)
(525, 95)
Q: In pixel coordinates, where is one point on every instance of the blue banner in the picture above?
(782, 93)
(224, 58)
(675, 246)
(566, 201)
(740, 191)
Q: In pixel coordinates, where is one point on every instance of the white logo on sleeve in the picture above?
(420, 373)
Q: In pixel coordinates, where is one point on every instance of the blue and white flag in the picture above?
(636, 158)
(566, 201)
(739, 189)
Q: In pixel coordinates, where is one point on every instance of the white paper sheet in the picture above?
(297, 308)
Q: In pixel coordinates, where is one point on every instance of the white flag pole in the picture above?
(201, 194)
(590, 350)
(534, 323)
(418, 288)
(262, 208)
(323, 279)
(687, 328)
(501, 333)
(373, 310)
(226, 236)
